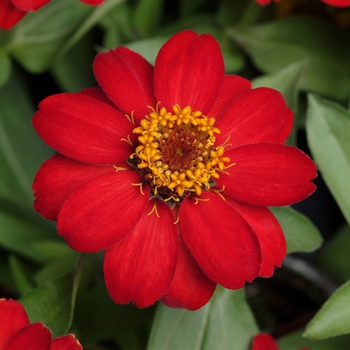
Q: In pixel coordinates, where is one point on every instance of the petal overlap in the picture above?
(268, 174)
(83, 128)
(259, 115)
(190, 288)
(189, 71)
(140, 268)
(228, 254)
(103, 211)
(126, 78)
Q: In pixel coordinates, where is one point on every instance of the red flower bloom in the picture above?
(264, 341)
(12, 11)
(265, 2)
(336, 3)
(177, 190)
(17, 333)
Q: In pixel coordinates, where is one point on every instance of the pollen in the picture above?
(176, 152)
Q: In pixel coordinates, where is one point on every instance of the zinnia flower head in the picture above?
(12, 11)
(264, 341)
(335, 3)
(16, 332)
(170, 169)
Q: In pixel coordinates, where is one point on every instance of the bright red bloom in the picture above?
(17, 333)
(12, 11)
(265, 2)
(177, 191)
(336, 3)
(265, 341)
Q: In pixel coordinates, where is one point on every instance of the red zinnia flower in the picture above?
(12, 11)
(264, 341)
(17, 333)
(336, 3)
(177, 190)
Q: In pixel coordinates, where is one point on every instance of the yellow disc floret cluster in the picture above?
(176, 154)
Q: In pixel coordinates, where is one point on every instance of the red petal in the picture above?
(9, 15)
(140, 268)
(337, 3)
(34, 336)
(190, 288)
(92, 2)
(268, 174)
(30, 5)
(264, 342)
(83, 128)
(96, 93)
(259, 115)
(67, 342)
(127, 79)
(189, 71)
(269, 232)
(221, 241)
(58, 178)
(102, 212)
(232, 87)
(13, 317)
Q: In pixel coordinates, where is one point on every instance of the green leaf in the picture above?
(224, 321)
(96, 15)
(230, 321)
(333, 318)
(19, 235)
(21, 150)
(22, 276)
(286, 81)
(275, 45)
(53, 303)
(37, 38)
(295, 341)
(98, 318)
(301, 234)
(328, 130)
(5, 67)
(146, 16)
(73, 72)
(334, 253)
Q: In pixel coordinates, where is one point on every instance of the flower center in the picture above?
(176, 154)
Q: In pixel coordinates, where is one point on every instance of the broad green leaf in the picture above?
(146, 16)
(96, 15)
(301, 234)
(328, 130)
(73, 72)
(333, 318)
(230, 322)
(5, 67)
(333, 255)
(37, 38)
(275, 45)
(224, 321)
(187, 7)
(117, 26)
(98, 318)
(286, 81)
(6, 277)
(21, 275)
(53, 303)
(178, 329)
(21, 150)
(148, 48)
(19, 235)
(295, 341)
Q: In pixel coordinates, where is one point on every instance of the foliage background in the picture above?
(301, 48)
